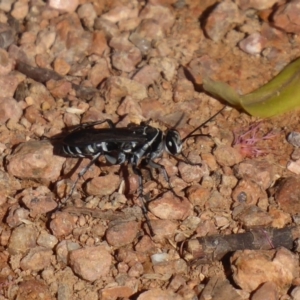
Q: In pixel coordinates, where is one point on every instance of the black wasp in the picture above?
(130, 145)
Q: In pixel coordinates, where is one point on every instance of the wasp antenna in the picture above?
(203, 124)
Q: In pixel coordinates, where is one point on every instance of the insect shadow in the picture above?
(129, 145)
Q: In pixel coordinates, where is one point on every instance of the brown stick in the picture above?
(207, 249)
(43, 75)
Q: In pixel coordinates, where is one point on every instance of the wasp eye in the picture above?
(173, 142)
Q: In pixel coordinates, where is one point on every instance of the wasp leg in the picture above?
(162, 169)
(81, 174)
(142, 198)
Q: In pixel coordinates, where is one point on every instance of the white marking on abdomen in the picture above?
(90, 148)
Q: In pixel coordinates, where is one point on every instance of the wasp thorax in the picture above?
(173, 143)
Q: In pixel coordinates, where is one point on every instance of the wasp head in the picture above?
(173, 142)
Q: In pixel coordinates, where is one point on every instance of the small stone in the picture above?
(229, 180)
(103, 185)
(39, 200)
(183, 90)
(20, 10)
(275, 39)
(87, 14)
(145, 244)
(159, 13)
(286, 17)
(147, 75)
(163, 228)
(256, 4)
(97, 103)
(130, 107)
(59, 88)
(70, 164)
(136, 270)
(141, 43)
(8, 185)
(37, 259)
(178, 184)
(62, 224)
(40, 94)
(63, 250)
(252, 192)
(99, 43)
(155, 294)
(43, 59)
(35, 160)
(8, 85)
(253, 268)
(169, 165)
(16, 216)
(33, 289)
(165, 65)
(218, 288)
(262, 172)
(267, 290)
(7, 36)
(122, 233)
(44, 41)
(187, 292)
(170, 207)
(91, 263)
(253, 216)
(152, 109)
(190, 173)
(126, 56)
(222, 222)
(227, 156)
(47, 240)
(295, 293)
(6, 5)
(22, 239)
(64, 5)
(6, 63)
(288, 195)
(253, 44)
(150, 30)
(71, 40)
(109, 28)
(217, 202)
(294, 138)
(129, 25)
(127, 256)
(80, 69)
(120, 13)
(198, 195)
(61, 66)
(280, 219)
(116, 292)
(9, 109)
(221, 19)
(118, 87)
(34, 115)
(176, 282)
(99, 72)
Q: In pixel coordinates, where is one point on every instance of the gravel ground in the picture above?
(63, 63)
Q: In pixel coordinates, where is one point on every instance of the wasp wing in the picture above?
(117, 135)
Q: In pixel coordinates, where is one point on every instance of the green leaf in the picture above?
(278, 96)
